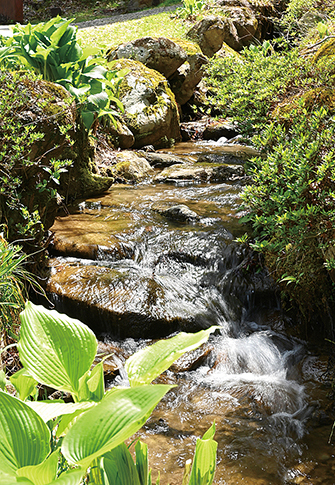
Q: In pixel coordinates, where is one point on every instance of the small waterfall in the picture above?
(146, 276)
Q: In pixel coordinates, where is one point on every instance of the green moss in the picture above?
(326, 50)
(308, 100)
(191, 48)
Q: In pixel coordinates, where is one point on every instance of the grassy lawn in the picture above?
(114, 34)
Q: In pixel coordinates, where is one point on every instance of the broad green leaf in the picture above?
(100, 99)
(23, 383)
(72, 477)
(96, 384)
(209, 435)
(89, 51)
(56, 349)
(10, 480)
(204, 463)
(94, 71)
(69, 36)
(88, 118)
(92, 384)
(3, 380)
(142, 464)
(43, 473)
(144, 366)
(60, 31)
(77, 92)
(68, 420)
(120, 468)
(51, 409)
(119, 415)
(24, 437)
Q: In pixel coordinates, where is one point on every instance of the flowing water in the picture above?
(132, 265)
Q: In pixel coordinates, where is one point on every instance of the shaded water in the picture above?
(151, 275)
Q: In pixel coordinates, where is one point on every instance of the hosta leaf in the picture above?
(142, 463)
(144, 366)
(120, 468)
(88, 118)
(89, 51)
(94, 71)
(10, 480)
(204, 463)
(72, 477)
(100, 99)
(3, 380)
(23, 383)
(60, 31)
(43, 473)
(24, 437)
(92, 385)
(119, 415)
(51, 409)
(56, 349)
(68, 420)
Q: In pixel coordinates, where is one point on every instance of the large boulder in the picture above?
(48, 111)
(235, 26)
(161, 54)
(244, 27)
(187, 77)
(151, 111)
(118, 134)
(209, 33)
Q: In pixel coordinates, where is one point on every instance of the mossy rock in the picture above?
(151, 111)
(326, 50)
(189, 47)
(308, 100)
(227, 51)
(131, 168)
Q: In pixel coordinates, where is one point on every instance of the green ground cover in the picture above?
(113, 34)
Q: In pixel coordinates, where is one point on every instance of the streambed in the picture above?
(128, 269)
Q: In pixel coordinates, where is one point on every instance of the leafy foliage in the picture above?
(246, 87)
(190, 9)
(291, 203)
(52, 50)
(90, 432)
(285, 104)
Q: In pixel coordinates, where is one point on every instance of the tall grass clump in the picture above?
(13, 289)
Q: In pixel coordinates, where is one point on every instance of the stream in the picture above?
(133, 272)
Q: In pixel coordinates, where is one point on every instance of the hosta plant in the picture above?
(51, 49)
(47, 442)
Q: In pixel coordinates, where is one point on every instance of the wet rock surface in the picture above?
(177, 212)
(161, 160)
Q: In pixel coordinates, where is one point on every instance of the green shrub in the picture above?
(190, 9)
(292, 203)
(22, 216)
(246, 89)
(12, 285)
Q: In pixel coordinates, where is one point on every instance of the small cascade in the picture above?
(127, 269)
